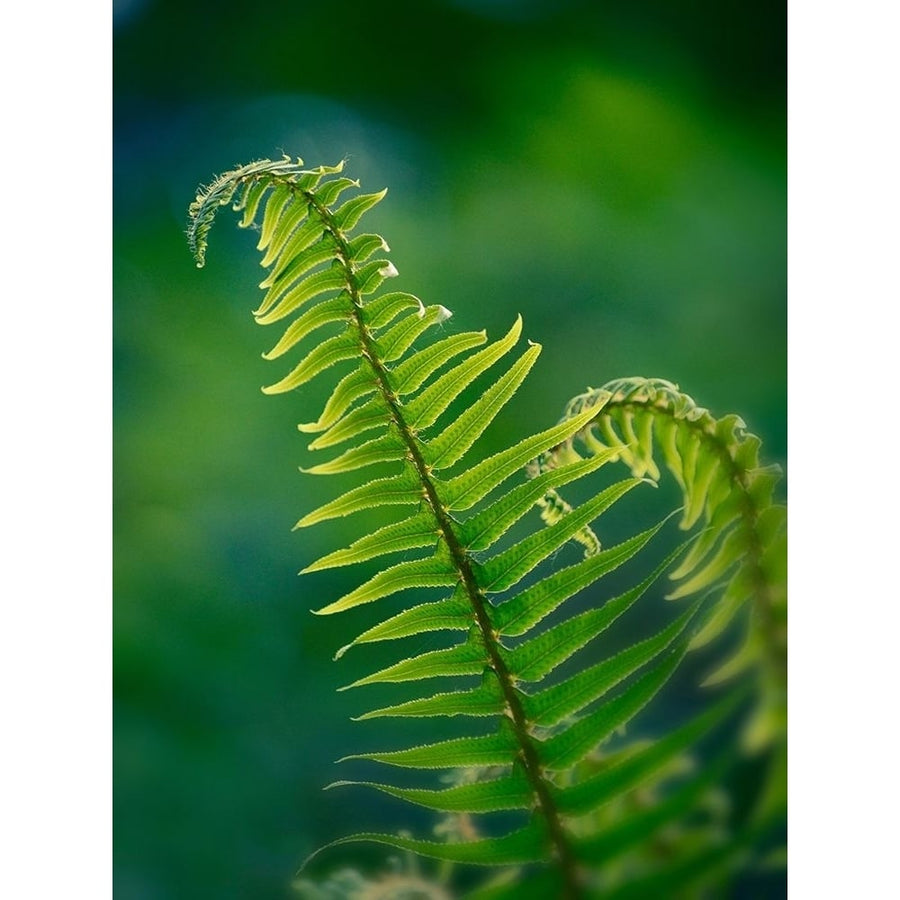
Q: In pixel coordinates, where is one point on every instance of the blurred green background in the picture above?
(613, 171)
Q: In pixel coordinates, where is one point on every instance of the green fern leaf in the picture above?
(466, 489)
(573, 744)
(419, 530)
(412, 373)
(507, 568)
(520, 613)
(389, 407)
(463, 659)
(537, 657)
(509, 792)
(425, 409)
(432, 572)
(450, 614)
(486, 750)
(452, 444)
(526, 845)
(400, 489)
(485, 700)
(555, 703)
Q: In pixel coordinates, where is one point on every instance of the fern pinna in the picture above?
(594, 822)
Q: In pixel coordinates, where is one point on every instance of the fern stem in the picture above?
(528, 752)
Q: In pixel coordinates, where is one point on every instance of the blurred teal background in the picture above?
(613, 171)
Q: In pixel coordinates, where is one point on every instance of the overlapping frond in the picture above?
(408, 405)
(728, 495)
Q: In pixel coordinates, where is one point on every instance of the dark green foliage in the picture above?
(597, 818)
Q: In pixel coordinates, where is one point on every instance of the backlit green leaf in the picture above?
(335, 310)
(278, 199)
(508, 567)
(571, 745)
(418, 530)
(453, 614)
(329, 353)
(425, 409)
(383, 310)
(330, 279)
(509, 792)
(433, 572)
(398, 339)
(351, 387)
(488, 750)
(525, 845)
(372, 414)
(520, 613)
(451, 445)
(346, 216)
(553, 704)
(485, 700)
(466, 489)
(387, 448)
(412, 373)
(481, 530)
(467, 658)
(539, 656)
(398, 489)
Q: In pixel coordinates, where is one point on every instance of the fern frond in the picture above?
(399, 410)
(742, 550)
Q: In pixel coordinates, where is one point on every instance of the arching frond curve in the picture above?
(407, 406)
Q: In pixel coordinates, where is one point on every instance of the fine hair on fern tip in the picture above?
(542, 636)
